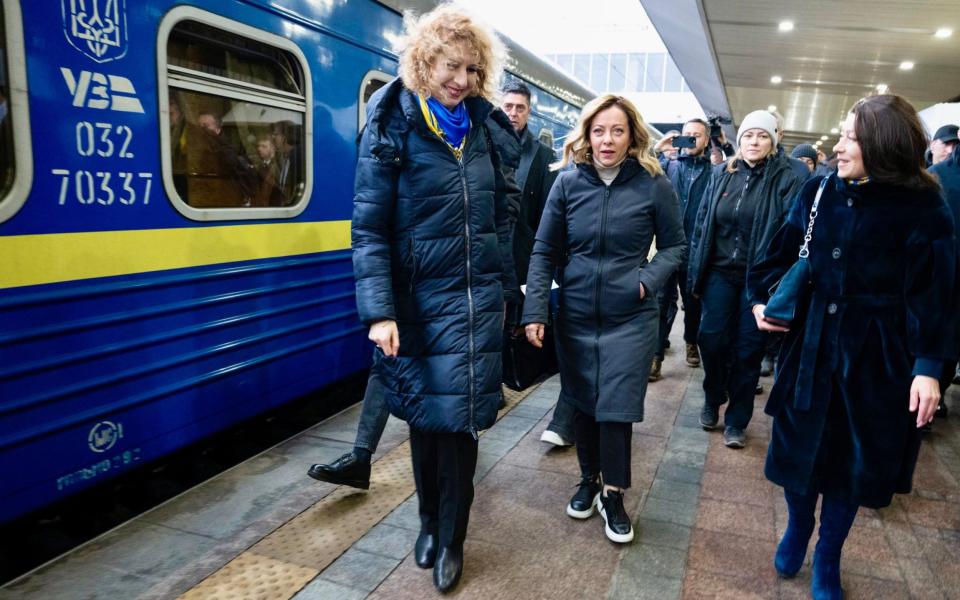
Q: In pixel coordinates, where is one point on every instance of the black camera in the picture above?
(716, 122)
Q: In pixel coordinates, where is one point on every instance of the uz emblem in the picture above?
(97, 28)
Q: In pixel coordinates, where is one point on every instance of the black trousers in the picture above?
(667, 299)
(603, 447)
(691, 311)
(443, 468)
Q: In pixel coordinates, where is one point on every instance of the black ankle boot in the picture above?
(349, 469)
(447, 569)
(425, 550)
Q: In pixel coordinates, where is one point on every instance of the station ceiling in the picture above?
(837, 52)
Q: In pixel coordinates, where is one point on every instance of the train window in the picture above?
(235, 125)
(16, 161)
(546, 137)
(372, 81)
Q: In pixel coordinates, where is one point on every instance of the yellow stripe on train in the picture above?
(56, 257)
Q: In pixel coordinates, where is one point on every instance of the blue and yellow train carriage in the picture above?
(174, 220)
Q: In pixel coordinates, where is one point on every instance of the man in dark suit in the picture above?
(535, 179)
(286, 139)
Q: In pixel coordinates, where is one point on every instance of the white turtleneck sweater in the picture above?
(608, 174)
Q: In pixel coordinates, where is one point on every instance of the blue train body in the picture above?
(129, 328)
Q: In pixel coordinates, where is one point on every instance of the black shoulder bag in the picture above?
(794, 286)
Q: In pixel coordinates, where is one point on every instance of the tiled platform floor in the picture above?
(706, 522)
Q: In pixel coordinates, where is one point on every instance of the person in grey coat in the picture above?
(598, 224)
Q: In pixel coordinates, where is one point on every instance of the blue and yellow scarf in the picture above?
(451, 126)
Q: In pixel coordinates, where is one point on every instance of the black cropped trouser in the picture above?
(443, 469)
(603, 447)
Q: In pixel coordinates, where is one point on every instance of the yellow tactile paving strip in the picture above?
(317, 536)
(279, 565)
(254, 577)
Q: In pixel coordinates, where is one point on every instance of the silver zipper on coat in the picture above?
(597, 286)
(470, 310)
(736, 217)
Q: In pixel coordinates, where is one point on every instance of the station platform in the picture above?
(706, 521)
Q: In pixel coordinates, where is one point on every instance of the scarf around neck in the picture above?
(449, 125)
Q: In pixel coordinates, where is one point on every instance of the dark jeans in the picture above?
(443, 469)
(373, 415)
(562, 421)
(667, 299)
(731, 347)
(603, 447)
(691, 311)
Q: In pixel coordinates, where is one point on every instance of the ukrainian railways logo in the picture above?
(104, 435)
(97, 28)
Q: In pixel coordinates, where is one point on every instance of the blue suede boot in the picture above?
(800, 523)
(836, 518)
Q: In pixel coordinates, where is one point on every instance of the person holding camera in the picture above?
(689, 174)
(743, 206)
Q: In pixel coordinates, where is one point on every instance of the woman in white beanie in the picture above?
(744, 205)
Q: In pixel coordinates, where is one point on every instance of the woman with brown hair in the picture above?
(859, 364)
(598, 224)
(433, 263)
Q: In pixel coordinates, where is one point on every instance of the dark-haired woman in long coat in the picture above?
(859, 364)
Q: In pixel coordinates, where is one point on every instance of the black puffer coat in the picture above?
(601, 235)
(431, 251)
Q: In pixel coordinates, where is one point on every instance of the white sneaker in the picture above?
(552, 437)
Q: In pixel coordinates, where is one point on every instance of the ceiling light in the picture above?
(786, 26)
(776, 79)
(943, 32)
(823, 138)
(834, 130)
(772, 108)
(882, 88)
(906, 65)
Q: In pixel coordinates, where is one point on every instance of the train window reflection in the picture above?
(231, 153)
(546, 137)
(236, 121)
(16, 158)
(200, 47)
(372, 81)
(7, 160)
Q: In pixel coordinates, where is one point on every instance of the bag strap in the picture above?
(805, 249)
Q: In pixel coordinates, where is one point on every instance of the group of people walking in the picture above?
(440, 173)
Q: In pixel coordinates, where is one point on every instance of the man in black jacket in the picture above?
(535, 179)
(689, 173)
(947, 172)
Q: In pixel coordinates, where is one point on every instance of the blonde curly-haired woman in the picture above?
(433, 263)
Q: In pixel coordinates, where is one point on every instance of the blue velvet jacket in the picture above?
(883, 262)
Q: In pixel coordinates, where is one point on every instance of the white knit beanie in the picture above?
(759, 119)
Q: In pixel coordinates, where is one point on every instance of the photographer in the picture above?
(689, 174)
